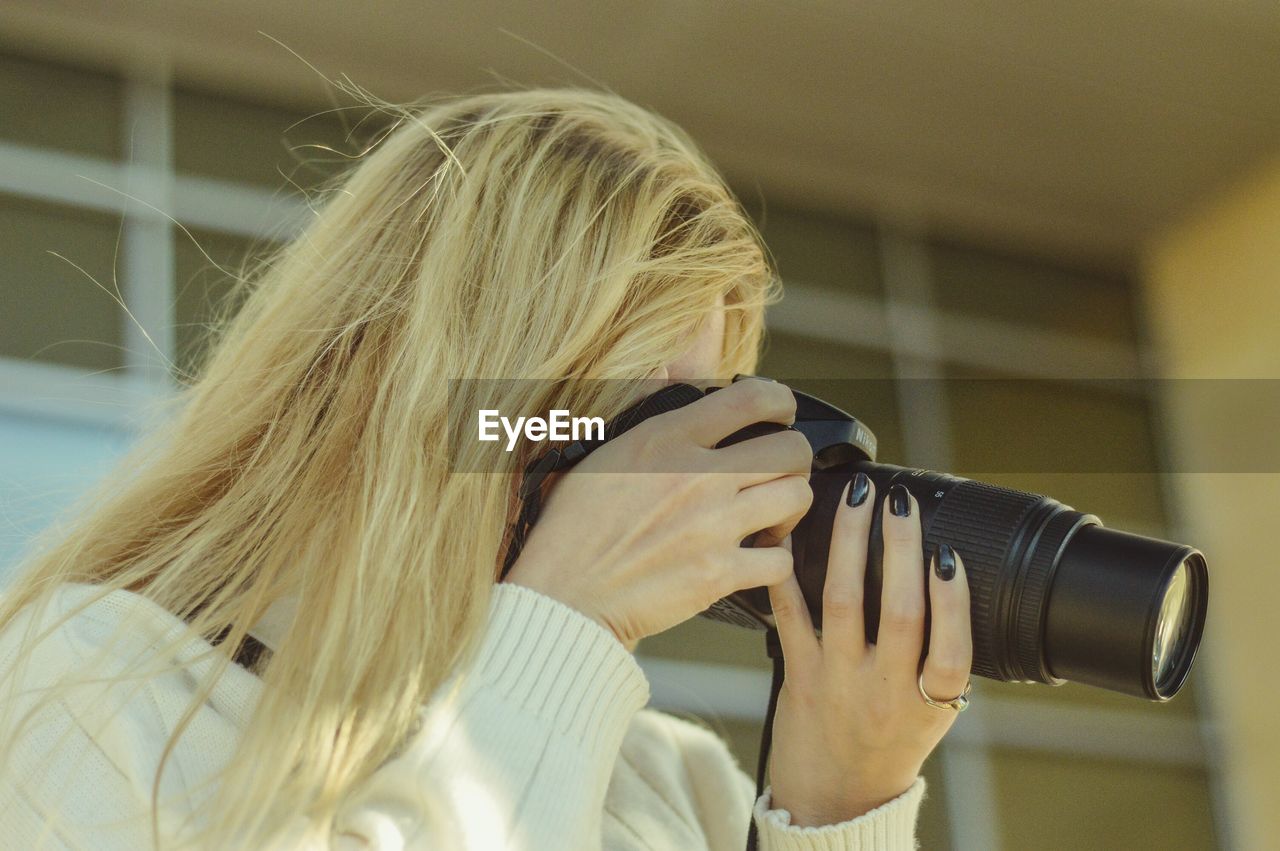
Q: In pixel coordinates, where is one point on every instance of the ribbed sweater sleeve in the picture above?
(889, 827)
(516, 752)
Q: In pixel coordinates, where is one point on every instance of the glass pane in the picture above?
(221, 137)
(824, 369)
(1030, 292)
(819, 249)
(54, 106)
(202, 289)
(1057, 802)
(49, 310)
(1063, 427)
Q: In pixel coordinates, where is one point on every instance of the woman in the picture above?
(305, 490)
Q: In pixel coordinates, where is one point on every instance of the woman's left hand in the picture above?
(851, 729)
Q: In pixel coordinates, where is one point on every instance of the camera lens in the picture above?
(1126, 612)
(1055, 596)
(1173, 626)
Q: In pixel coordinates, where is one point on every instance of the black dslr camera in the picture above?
(1055, 596)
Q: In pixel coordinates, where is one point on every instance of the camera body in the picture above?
(839, 442)
(1054, 595)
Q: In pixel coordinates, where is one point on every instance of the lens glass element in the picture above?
(1172, 625)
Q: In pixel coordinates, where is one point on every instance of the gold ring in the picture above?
(958, 703)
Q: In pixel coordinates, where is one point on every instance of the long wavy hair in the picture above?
(543, 233)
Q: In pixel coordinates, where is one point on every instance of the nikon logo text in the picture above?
(559, 426)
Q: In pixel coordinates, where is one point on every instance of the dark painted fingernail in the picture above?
(899, 501)
(858, 490)
(944, 563)
(742, 375)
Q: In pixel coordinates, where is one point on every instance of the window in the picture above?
(53, 311)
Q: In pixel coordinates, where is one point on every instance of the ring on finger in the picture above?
(958, 703)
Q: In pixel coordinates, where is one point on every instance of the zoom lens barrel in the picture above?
(1054, 595)
(1126, 612)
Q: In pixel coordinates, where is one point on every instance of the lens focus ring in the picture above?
(980, 521)
(1032, 591)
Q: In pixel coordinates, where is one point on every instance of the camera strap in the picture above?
(562, 457)
(530, 494)
(773, 646)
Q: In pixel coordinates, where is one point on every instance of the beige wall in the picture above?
(1213, 299)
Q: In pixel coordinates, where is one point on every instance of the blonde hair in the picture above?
(545, 233)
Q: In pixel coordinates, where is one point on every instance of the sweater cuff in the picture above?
(560, 665)
(889, 827)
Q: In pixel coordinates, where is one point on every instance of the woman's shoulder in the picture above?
(58, 622)
(683, 775)
(79, 617)
(106, 633)
(678, 731)
(89, 704)
(660, 740)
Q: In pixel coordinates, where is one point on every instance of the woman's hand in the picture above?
(644, 533)
(851, 730)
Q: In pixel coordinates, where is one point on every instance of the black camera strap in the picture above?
(772, 646)
(562, 457)
(530, 493)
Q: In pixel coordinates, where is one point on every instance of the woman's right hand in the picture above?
(645, 532)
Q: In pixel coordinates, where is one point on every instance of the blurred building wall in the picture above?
(876, 311)
(1213, 293)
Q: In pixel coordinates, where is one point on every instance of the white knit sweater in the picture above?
(547, 745)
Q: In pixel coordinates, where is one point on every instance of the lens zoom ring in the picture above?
(979, 521)
(1028, 638)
